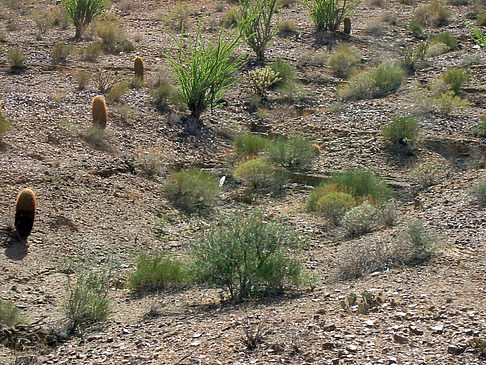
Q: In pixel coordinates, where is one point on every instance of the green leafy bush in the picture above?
(286, 27)
(259, 174)
(254, 19)
(445, 38)
(415, 245)
(205, 69)
(10, 315)
(329, 14)
(286, 75)
(249, 144)
(16, 60)
(431, 13)
(60, 52)
(296, 152)
(447, 102)
(344, 60)
(248, 257)
(455, 79)
(416, 28)
(192, 190)
(403, 130)
(157, 271)
(478, 191)
(113, 39)
(360, 220)
(334, 205)
(82, 12)
(378, 82)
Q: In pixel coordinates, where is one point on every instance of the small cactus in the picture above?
(25, 212)
(139, 67)
(99, 112)
(347, 25)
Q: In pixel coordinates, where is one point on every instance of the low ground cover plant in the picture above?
(260, 175)
(10, 315)
(292, 153)
(402, 131)
(344, 61)
(249, 144)
(248, 257)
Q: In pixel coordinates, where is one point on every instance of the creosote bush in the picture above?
(83, 12)
(10, 315)
(360, 220)
(334, 205)
(430, 172)
(16, 60)
(82, 78)
(260, 175)
(455, 79)
(287, 27)
(415, 245)
(478, 191)
(248, 257)
(329, 14)
(292, 153)
(157, 271)
(192, 190)
(60, 52)
(162, 94)
(432, 13)
(447, 102)
(344, 60)
(403, 130)
(92, 52)
(286, 74)
(445, 38)
(249, 145)
(113, 39)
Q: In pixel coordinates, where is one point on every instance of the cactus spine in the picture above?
(138, 66)
(25, 212)
(99, 111)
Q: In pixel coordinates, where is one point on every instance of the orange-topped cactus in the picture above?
(25, 212)
(99, 111)
(138, 67)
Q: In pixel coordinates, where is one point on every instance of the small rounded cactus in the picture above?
(138, 67)
(347, 25)
(99, 111)
(25, 212)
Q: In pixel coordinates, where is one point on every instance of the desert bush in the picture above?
(92, 52)
(248, 257)
(16, 60)
(445, 38)
(329, 14)
(286, 27)
(378, 82)
(10, 315)
(205, 69)
(286, 75)
(113, 39)
(254, 19)
(157, 271)
(343, 61)
(262, 79)
(192, 190)
(436, 49)
(478, 191)
(118, 89)
(447, 102)
(430, 172)
(403, 130)
(416, 28)
(60, 52)
(415, 245)
(359, 220)
(432, 13)
(82, 12)
(481, 19)
(4, 124)
(177, 17)
(42, 22)
(260, 175)
(105, 80)
(87, 301)
(364, 258)
(334, 205)
(387, 213)
(249, 144)
(149, 165)
(296, 152)
(455, 79)
(374, 28)
(411, 58)
(162, 94)
(473, 59)
(82, 78)
(479, 129)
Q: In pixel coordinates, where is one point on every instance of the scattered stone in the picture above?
(455, 349)
(438, 329)
(400, 338)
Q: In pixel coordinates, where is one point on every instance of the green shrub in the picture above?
(430, 172)
(16, 60)
(82, 78)
(286, 75)
(249, 144)
(362, 184)
(334, 205)
(60, 52)
(479, 129)
(329, 14)
(478, 191)
(455, 79)
(10, 315)
(205, 69)
(82, 12)
(344, 60)
(445, 38)
(116, 92)
(296, 152)
(161, 95)
(157, 271)
(415, 245)
(4, 124)
(254, 19)
(416, 28)
(448, 102)
(192, 190)
(436, 49)
(431, 14)
(473, 59)
(378, 82)
(411, 59)
(403, 130)
(178, 16)
(258, 174)
(286, 27)
(92, 51)
(248, 257)
(87, 300)
(113, 40)
(360, 220)
(481, 19)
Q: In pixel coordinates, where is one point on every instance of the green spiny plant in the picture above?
(262, 79)
(82, 12)
(329, 14)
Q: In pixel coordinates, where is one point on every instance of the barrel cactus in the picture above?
(25, 212)
(99, 111)
(139, 67)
